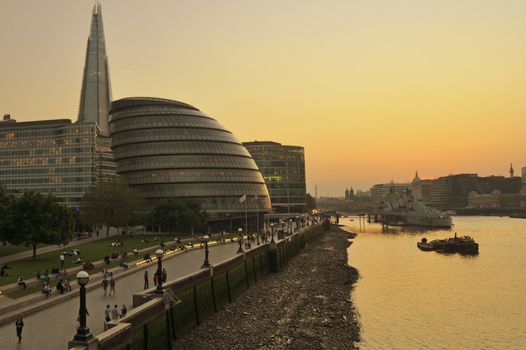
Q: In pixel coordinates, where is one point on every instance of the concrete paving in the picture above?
(54, 326)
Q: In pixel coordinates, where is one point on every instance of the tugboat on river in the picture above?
(462, 245)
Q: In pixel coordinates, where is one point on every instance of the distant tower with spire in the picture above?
(95, 97)
(511, 170)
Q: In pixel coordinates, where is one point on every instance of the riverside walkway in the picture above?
(54, 326)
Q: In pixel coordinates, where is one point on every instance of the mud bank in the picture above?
(305, 306)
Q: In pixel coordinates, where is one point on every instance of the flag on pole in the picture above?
(243, 198)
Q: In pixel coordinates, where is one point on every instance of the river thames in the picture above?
(410, 299)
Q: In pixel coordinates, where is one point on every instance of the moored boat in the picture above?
(463, 245)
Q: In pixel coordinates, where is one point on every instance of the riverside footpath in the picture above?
(305, 306)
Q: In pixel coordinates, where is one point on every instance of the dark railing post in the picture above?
(254, 269)
(174, 327)
(246, 272)
(145, 336)
(262, 268)
(168, 332)
(196, 306)
(228, 288)
(213, 293)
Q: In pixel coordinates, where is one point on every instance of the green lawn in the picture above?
(9, 249)
(93, 251)
(36, 289)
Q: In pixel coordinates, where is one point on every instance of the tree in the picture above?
(311, 202)
(6, 202)
(179, 215)
(111, 203)
(36, 218)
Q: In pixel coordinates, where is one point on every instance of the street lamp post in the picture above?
(83, 334)
(272, 233)
(206, 263)
(240, 240)
(159, 253)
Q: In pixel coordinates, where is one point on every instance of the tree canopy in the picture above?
(180, 215)
(35, 218)
(111, 203)
(311, 202)
(5, 214)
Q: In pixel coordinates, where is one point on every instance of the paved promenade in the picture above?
(53, 327)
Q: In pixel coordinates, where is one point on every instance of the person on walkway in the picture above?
(107, 312)
(105, 284)
(62, 257)
(146, 280)
(21, 282)
(19, 326)
(46, 289)
(60, 286)
(112, 286)
(115, 312)
(124, 310)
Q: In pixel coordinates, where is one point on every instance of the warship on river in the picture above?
(404, 210)
(463, 245)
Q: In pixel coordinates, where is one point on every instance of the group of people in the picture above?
(108, 281)
(117, 244)
(164, 276)
(113, 314)
(3, 270)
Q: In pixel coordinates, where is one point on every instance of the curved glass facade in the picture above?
(167, 148)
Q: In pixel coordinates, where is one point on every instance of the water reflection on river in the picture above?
(409, 299)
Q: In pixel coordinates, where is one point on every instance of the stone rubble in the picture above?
(307, 305)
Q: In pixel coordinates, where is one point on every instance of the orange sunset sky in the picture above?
(373, 89)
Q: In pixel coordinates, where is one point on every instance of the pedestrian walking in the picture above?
(62, 257)
(112, 286)
(146, 280)
(115, 312)
(107, 312)
(19, 326)
(124, 310)
(105, 286)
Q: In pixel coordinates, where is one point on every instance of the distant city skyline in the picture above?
(373, 90)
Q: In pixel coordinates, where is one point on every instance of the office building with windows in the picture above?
(170, 149)
(53, 156)
(58, 156)
(283, 168)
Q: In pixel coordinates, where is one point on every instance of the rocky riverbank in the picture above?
(305, 306)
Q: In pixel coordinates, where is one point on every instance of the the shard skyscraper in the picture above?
(95, 97)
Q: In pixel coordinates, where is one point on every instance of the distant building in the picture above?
(283, 168)
(349, 194)
(57, 156)
(450, 192)
(496, 199)
(523, 176)
(95, 96)
(380, 191)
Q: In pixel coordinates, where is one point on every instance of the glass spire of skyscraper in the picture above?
(95, 97)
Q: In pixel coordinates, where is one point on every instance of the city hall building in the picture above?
(283, 168)
(170, 149)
